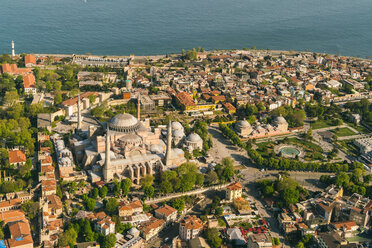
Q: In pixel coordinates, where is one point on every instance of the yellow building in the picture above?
(234, 191)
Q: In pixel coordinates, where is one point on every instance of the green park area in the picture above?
(318, 124)
(360, 128)
(343, 131)
(312, 151)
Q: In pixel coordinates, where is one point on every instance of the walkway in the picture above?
(192, 192)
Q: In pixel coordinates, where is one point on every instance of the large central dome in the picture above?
(125, 123)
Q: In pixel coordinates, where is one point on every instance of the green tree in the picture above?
(147, 181)
(11, 97)
(94, 193)
(109, 241)
(188, 181)
(148, 191)
(90, 204)
(68, 238)
(57, 97)
(178, 204)
(92, 98)
(112, 205)
(211, 178)
(199, 179)
(213, 237)
(290, 196)
(166, 187)
(125, 186)
(300, 245)
(31, 209)
(103, 192)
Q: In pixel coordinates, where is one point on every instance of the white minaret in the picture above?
(106, 168)
(79, 114)
(169, 144)
(13, 51)
(139, 107)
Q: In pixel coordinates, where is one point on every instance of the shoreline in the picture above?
(159, 56)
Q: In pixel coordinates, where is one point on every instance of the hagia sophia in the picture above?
(132, 149)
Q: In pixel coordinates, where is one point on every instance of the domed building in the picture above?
(178, 133)
(124, 123)
(193, 141)
(137, 151)
(281, 124)
(243, 128)
(260, 130)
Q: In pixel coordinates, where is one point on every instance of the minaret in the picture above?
(106, 169)
(169, 144)
(79, 114)
(13, 51)
(139, 107)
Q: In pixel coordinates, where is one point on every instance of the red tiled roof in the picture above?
(47, 160)
(29, 81)
(229, 106)
(191, 222)
(29, 58)
(185, 99)
(73, 101)
(166, 210)
(17, 156)
(235, 186)
(12, 216)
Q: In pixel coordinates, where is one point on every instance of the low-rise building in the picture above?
(190, 227)
(166, 213)
(260, 240)
(151, 228)
(234, 191)
(17, 158)
(128, 209)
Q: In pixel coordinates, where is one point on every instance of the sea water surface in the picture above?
(149, 27)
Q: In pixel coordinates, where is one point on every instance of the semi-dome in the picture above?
(130, 139)
(178, 133)
(177, 126)
(194, 137)
(124, 123)
(154, 148)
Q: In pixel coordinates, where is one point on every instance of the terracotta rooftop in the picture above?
(152, 224)
(12, 216)
(235, 186)
(46, 169)
(166, 210)
(10, 203)
(191, 222)
(29, 81)
(29, 58)
(17, 156)
(185, 99)
(345, 224)
(73, 101)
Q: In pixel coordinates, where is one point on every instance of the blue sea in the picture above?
(150, 27)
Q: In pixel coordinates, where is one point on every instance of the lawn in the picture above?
(344, 131)
(360, 128)
(305, 144)
(360, 238)
(265, 148)
(321, 124)
(264, 144)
